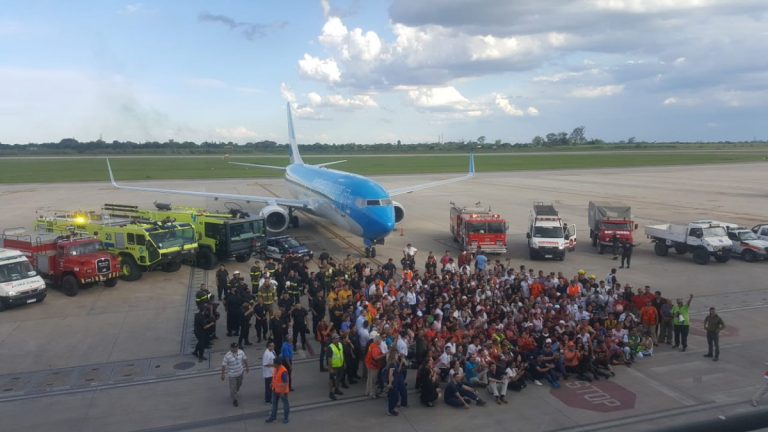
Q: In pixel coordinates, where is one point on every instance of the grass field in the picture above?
(45, 170)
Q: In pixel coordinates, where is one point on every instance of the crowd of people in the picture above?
(467, 326)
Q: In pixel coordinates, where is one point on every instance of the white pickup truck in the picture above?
(761, 231)
(702, 238)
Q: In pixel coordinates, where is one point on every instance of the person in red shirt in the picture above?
(649, 317)
(374, 360)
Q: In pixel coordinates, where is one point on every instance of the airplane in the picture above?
(352, 202)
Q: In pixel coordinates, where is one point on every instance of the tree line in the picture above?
(555, 140)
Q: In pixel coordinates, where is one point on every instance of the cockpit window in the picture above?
(375, 202)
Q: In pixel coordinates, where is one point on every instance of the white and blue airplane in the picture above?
(352, 202)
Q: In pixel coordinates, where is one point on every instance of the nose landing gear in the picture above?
(370, 251)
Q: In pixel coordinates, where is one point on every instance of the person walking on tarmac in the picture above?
(233, 306)
(335, 358)
(713, 324)
(281, 383)
(615, 246)
(299, 318)
(626, 253)
(233, 365)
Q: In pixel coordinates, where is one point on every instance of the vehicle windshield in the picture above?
(619, 226)
(747, 235)
(16, 271)
(714, 232)
(173, 238)
(290, 243)
(85, 248)
(548, 232)
(485, 228)
(246, 230)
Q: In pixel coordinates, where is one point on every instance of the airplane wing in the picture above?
(258, 165)
(414, 188)
(287, 202)
(330, 163)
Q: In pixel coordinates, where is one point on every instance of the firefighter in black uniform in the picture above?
(222, 279)
(260, 319)
(293, 287)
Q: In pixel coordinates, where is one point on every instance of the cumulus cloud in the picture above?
(595, 92)
(326, 70)
(508, 108)
(248, 30)
(339, 101)
(437, 97)
(287, 94)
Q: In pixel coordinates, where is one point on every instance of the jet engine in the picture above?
(275, 218)
(399, 211)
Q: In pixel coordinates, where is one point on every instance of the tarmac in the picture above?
(118, 359)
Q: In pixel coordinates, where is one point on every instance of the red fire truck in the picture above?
(69, 262)
(478, 228)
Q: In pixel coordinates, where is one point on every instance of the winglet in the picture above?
(111, 176)
(295, 156)
(471, 165)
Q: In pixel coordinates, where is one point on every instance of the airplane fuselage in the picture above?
(352, 202)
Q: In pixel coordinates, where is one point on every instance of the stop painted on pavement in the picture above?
(605, 396)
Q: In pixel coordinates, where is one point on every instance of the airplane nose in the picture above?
(380, 226)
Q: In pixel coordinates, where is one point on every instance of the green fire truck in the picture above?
(220, 236)
(141, 246)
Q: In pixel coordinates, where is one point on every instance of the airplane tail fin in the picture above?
(295, 156)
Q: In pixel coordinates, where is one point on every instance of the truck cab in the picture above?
(761, 231)
(548, 236)
(19, 282)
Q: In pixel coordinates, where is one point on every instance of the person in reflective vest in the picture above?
(280, 388)
(255, 275)
(335, 366)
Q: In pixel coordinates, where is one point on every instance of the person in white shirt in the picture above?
(267, 360)
(233, 364)
(402, 344)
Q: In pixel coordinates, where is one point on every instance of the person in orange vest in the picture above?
(280, 389)
(574, 289)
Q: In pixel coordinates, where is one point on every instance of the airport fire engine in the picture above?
(478, 228)
(219, 235)
(68, 262)
(141, 246)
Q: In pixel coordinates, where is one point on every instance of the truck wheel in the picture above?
(206, 260)
(131, 270)
(749, 256)
(172, 266)
(661, 249)
(532, 253)
(109, 283)
(241, 258)
(681, 249)
(70, 286)
(724, 258)
(294, 221)
(601, 249)
(701, 256)
(2, 306)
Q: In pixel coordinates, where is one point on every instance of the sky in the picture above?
(381, 71)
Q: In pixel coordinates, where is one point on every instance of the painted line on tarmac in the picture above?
(669, 391)
(118, 385)
(259, 415)
(646, 417)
